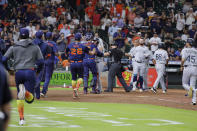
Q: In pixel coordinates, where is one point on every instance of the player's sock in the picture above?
(79, 82)
(134, 78)
(20, 105)
(29, 98)
(141, 82)
(74, 84)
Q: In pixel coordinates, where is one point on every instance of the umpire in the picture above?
(116, 69)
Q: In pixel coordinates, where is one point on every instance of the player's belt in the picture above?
(91, 58)
(76, 61)
(190, 65)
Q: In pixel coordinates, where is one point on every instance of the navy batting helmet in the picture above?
(88, 36)
(48, 35)
(24, 32)
(161, 45)
(39, 34)
(78, 36)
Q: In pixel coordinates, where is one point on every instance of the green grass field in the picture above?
(75, 116)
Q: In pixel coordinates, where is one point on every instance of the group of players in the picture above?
(28, 53)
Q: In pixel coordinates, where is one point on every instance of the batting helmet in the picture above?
(39, 34)
(78, 36)
(88, 36)
(24, 32)
(48, 35)
(161, 45)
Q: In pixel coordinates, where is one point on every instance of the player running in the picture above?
(46, 52)
(76, 52)
(49, 63)
(189, 68)
(25, 55)
(160, 59)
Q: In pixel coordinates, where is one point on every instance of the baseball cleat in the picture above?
(154, 90)
(190, 92)
(22, 122)
(43, 95)
(141, 90)
(164, 92)
(75, 94)
(85, 90)
(21, 93)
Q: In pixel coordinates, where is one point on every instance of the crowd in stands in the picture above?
(172, 22)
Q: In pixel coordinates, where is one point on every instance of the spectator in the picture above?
(65, 31)
(138, 21)
(131, 17)
(112, 29)
(51, 20)
(178, 54)
(185, 35)
(154, 41)
(190, 17)
(180, 23)
(31, 29)
(119, 38)
(192, 31)
(96, 21)
(120, 21)
(172, 55)
(61, 43)
(89, 12)
(171, 5)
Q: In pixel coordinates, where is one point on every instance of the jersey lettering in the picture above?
(159, 57)
(191, 59)
(78, 51)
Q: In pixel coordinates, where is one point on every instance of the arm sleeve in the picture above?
(115, 35)
(38, 54)
(55, 50)
(9, 53)
(167, 56)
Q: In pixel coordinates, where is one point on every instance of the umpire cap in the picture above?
(48, 35)
(39, 34)
(24, 32)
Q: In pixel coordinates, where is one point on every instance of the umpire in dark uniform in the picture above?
(116, 69)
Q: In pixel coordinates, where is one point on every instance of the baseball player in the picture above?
(25, 55)
(135, 43)
(140, 54)
(160, 59)
(189, 67)
(148, 58)
(90, 64)
(76, 52)
(49, 63)
(46, 52)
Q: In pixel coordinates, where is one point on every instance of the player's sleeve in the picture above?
(8, 54)
(85, 49)
(115, 35)
(166, 55)
(154, 56)
(98, 53)
(38, 54)
(55, 48)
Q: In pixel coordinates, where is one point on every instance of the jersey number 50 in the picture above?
(76, 51)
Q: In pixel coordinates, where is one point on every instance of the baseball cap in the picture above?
(48, 35)
(39, 34)
(24, 32)
(77, 36)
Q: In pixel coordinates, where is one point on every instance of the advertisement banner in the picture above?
(127, 75)
(62, 78)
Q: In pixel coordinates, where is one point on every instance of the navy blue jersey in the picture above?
(76, 51)
(53, 47)
(91, 46)
(43, 47)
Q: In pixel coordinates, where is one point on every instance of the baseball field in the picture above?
(118, 111)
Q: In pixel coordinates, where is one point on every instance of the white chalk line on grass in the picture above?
(82, 113)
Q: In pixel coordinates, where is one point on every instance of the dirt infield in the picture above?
(173, 98)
